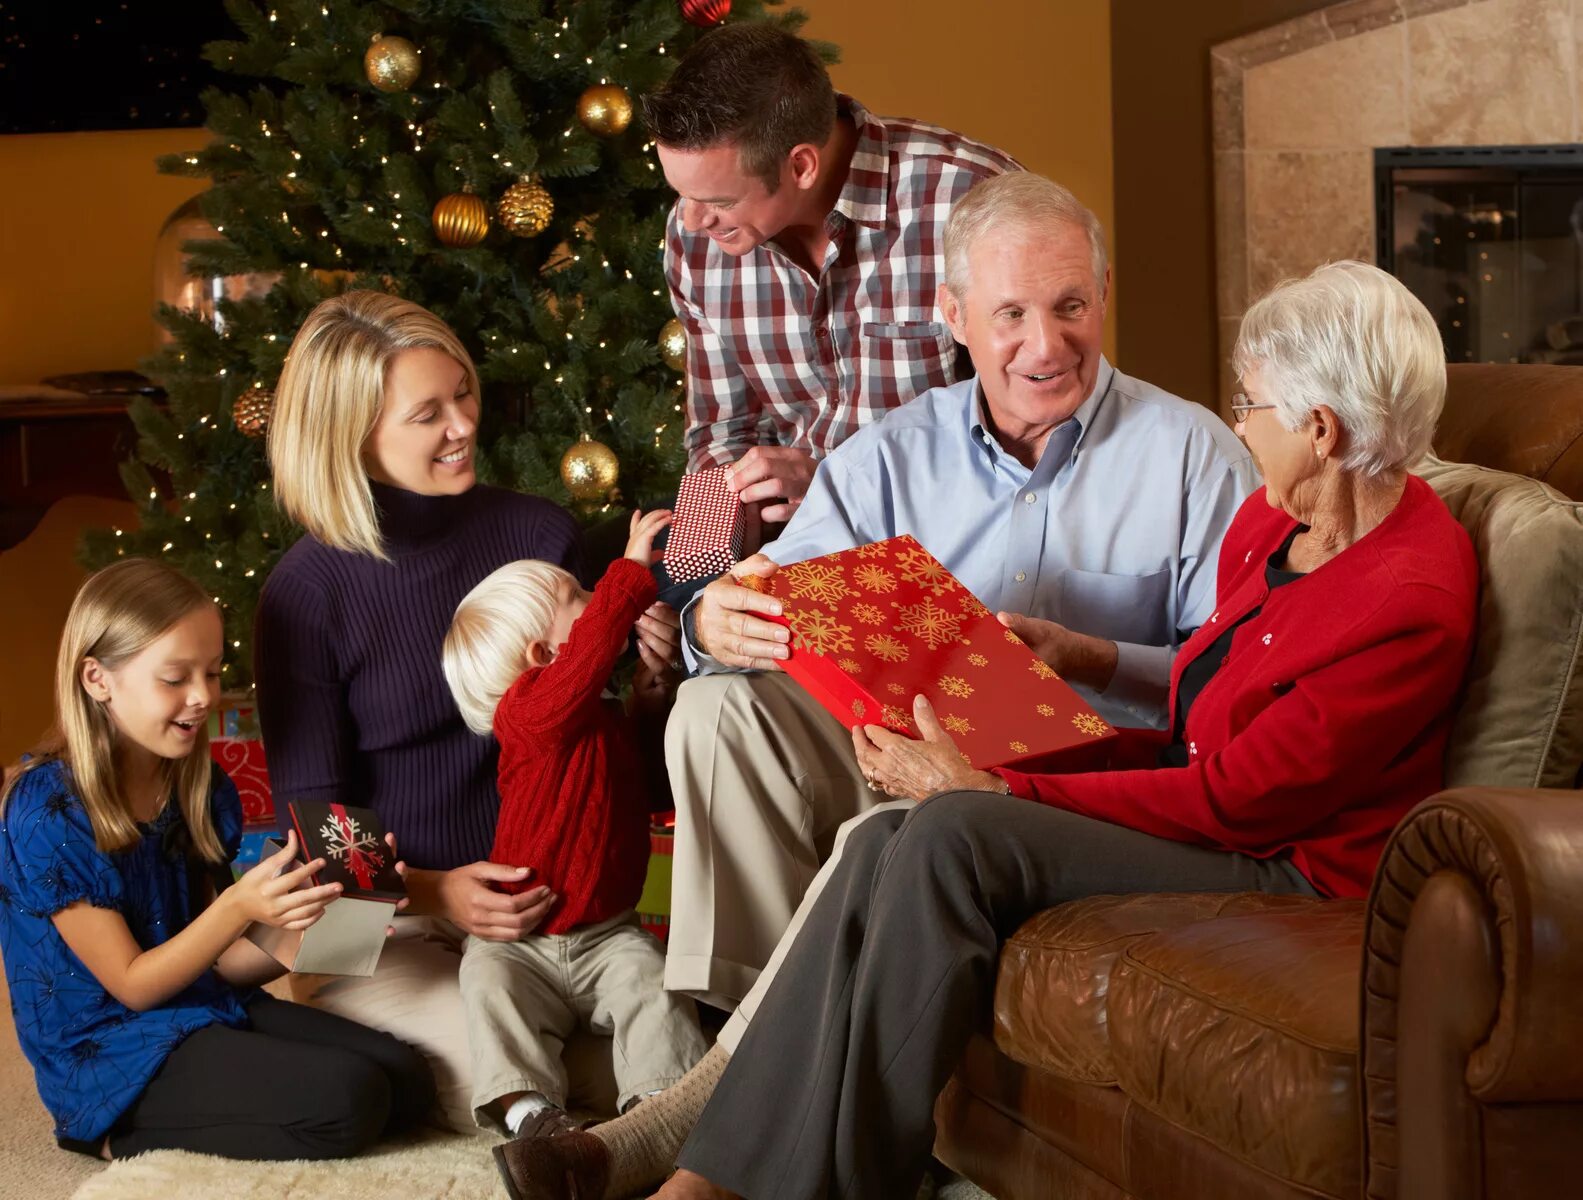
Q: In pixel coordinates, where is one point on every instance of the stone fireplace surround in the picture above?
(1299, 109)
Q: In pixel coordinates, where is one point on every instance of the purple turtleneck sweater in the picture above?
(351, 701)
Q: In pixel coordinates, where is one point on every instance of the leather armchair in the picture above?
(1424, 1044)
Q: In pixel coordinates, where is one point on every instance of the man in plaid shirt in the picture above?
(803, 256)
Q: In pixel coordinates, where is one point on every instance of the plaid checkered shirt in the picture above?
(777, 357)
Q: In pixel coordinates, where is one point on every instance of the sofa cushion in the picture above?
(1244, 1031)
(1055, 973)
(1520, 723)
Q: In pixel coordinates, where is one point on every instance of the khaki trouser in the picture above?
(763, 778)
(525, 999)
(415, 995)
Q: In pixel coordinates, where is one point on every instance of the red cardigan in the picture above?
(572, 802)
(1329, 718)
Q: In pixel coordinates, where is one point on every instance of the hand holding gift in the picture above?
(915, 769)
(1073, 656)
(276, 892)
(728, 626)
(773, 473)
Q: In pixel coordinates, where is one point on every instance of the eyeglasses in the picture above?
(1241, 406)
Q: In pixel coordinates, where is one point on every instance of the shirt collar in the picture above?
(1083, 417)
(865, 196)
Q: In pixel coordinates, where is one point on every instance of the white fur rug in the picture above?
(449, 1165)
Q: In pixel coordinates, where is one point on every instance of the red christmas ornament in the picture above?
(706, 13)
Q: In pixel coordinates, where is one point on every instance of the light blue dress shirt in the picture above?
(1115, 532)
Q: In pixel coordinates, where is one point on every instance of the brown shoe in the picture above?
(549, 1122)
(568, 1166)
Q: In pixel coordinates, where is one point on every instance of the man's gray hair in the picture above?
(1351, 336)
(1018, 199)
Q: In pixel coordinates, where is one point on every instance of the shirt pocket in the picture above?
(1123, 608)
(907, 358)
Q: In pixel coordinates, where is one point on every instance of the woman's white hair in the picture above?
(1351, 336)
(1020, 200)
(486, 647)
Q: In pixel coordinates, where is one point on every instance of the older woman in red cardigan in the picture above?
(1307, 716)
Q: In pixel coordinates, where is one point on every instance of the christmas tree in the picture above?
(482, 160)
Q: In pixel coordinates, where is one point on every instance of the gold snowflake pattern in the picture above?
(869, 614)
(920, 567)
(821, 633)
(1019, 747)
(816, 581)
(850, 665)
(1090, 724)
(872, 550)
(1042, 669)
(895, 689)
(956, 724)
(955, 685)
(971, 605)
(885, 648)
(874, 579)
(978, 660)
(754, 583)
(896, 719)
(859, 709)
(1044, 710)
(1013, 638)
(929, 623)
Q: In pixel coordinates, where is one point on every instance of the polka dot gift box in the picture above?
(711, 530)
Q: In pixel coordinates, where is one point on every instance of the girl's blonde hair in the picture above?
(328, 401)
(117, 614)
(489, 635)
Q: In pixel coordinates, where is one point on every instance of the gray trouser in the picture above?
(831, 1091)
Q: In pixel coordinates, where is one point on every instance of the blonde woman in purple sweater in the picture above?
(372, 444)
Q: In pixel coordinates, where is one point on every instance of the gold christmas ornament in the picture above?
(461, 219)
(251, 411)
(392, 63)
(673, 345)
(605, 109)
(526, 207)
(590, 470)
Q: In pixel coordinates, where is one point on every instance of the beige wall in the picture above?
(1029, 76)
(79, 213)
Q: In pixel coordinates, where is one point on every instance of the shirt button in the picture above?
(1021, 575)
(1028, 497)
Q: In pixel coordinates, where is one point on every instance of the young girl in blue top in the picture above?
(136, 997)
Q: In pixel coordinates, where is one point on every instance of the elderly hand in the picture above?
(726, 628)
(917, 769)
(1075, 657)
(772, 473)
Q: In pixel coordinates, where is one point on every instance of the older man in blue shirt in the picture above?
(1085, 506)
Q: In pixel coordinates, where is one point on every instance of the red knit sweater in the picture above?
(1329, 718)
(572, 803)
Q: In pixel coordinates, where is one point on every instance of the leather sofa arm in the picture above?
(1473, 965)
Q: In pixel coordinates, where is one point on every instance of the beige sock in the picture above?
(644, 1143)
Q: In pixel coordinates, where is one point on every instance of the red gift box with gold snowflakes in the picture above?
(874, 626)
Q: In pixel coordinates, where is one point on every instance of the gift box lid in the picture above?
(874, 626)
(351, 841)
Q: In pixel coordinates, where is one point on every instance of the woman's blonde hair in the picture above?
(489, 635)
(327, 403)
(117, 614)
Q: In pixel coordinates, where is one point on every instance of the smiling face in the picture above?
(1033, 318)
(159, 699)
(424, 438)
(1288, 459)
(719, 199)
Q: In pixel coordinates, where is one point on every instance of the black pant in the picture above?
(298, 1083)
(831, 1092)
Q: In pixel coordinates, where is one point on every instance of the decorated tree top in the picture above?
(482, 160)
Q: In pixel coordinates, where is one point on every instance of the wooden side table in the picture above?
(56, 443)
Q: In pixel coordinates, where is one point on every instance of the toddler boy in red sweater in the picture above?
(527, 657)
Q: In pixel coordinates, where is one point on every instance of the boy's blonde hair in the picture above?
(116, 615)
(327, 403)
(486, 646)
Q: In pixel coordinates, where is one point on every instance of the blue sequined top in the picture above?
(92, 1056)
